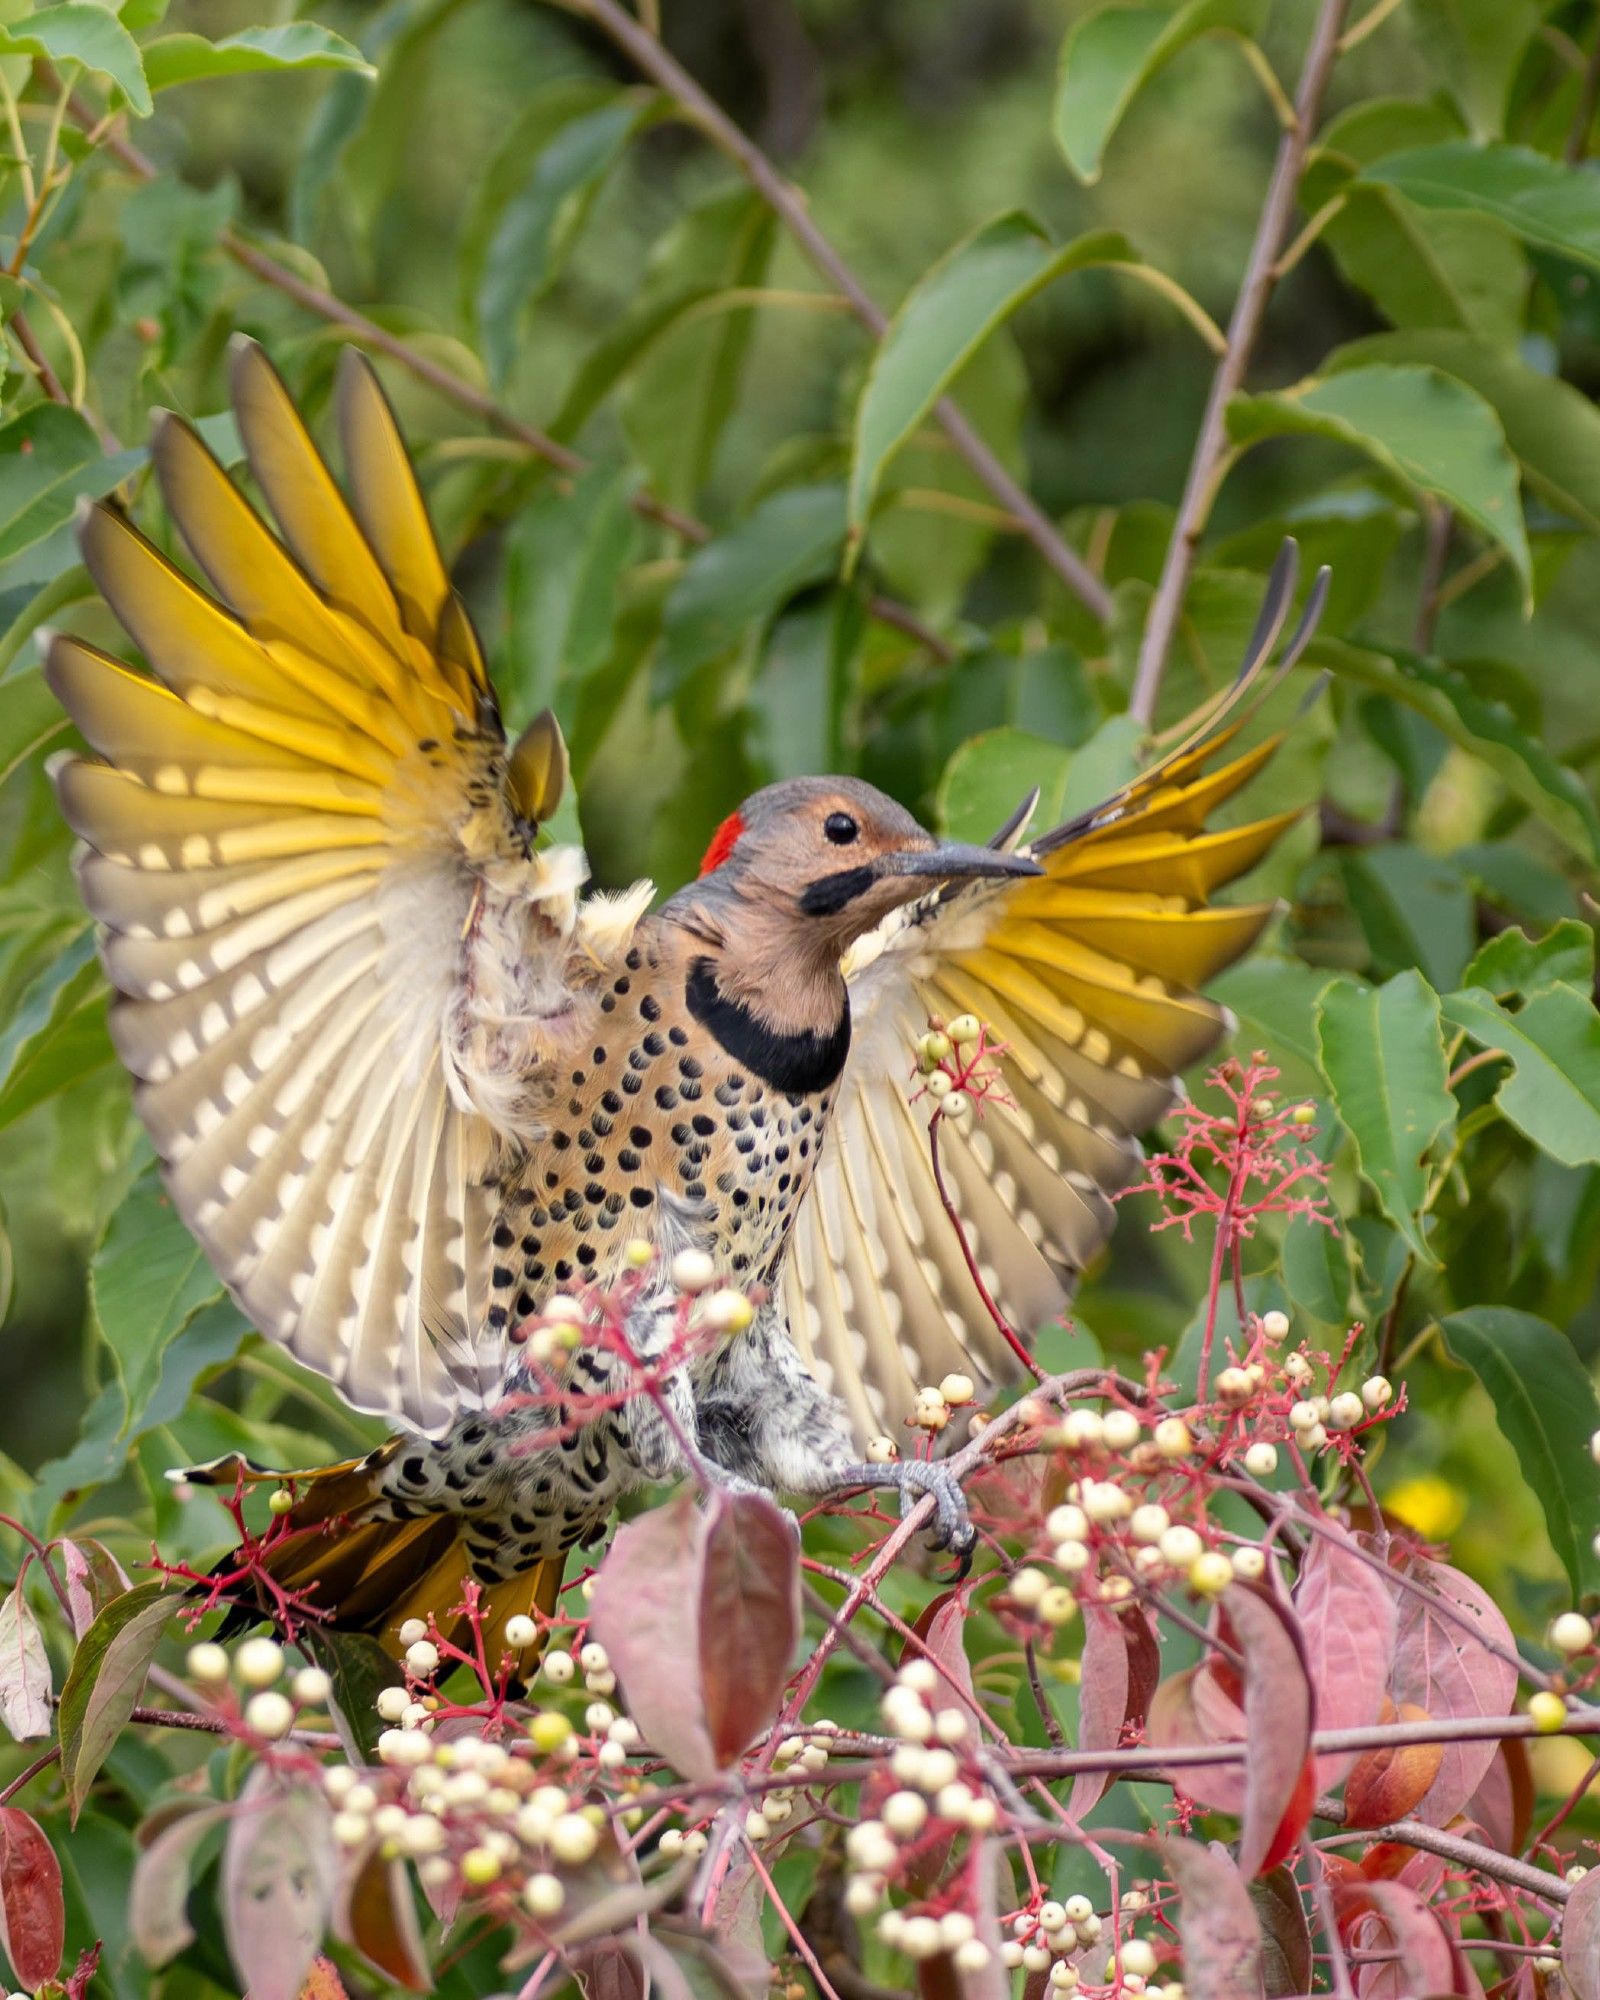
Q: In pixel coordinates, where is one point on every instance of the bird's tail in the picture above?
(337, 1558)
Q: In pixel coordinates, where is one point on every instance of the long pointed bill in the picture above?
(956, 861)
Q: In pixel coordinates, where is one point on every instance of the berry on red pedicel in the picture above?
(723, 842)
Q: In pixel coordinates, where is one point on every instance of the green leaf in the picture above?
(731, 585)
(536, 198)
(1101, 766)
(942, 321)
(1316, 1271)
(1458, 271)
(359, 1668)
(1551, 206)
(30, 717)
(1482, 725)
(57, 1034)
(1415, 908)
(1515, 963)
(1545, 1404)
(49, 460)
(798, 698)
(989, 777)
(78, 32)
(1553, 428)
(148, 1279)
(34, 608)
(1383, 1055)
(1422, 427)
(1552, 1095)
(105, 1681)
(1109, 56)
(564, 562)
(683, 391)
(172, 59)
(1476, 46)
(1274, 1001)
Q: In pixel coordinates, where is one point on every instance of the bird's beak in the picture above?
(956, 861)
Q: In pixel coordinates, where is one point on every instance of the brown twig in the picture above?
(1244, 329)
(788, 204)
(457, 389)
(1452, 1847)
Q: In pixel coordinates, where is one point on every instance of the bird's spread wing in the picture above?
(1088, 974)
(312, 855)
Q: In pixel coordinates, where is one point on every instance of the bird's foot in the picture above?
(912, 1478)
(718, 1479)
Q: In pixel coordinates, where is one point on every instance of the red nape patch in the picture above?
(723, 842)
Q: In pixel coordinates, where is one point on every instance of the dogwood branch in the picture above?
(1244, 330)
(788, 204)
(457, 389)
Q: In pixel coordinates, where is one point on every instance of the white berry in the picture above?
(258, 1662)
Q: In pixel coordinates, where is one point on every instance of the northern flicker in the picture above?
(407, 1083)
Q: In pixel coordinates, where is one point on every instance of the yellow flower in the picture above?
(1429, 1504)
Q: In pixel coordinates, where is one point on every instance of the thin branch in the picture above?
(1464, 1853)
(788, 204)
(457, 389)
(1244, 330)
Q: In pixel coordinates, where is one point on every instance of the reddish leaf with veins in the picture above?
(1442, 1664)
(1121, 1666)
(33, 1917)
(1349, 1622)
(1217, 1927)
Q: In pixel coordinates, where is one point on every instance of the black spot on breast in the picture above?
(640, 1197)
(650, 1008)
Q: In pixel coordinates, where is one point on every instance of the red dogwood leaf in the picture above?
(1270, 1708)
(379, 1918)
(33, 1917)
(278, 1872)
(1348, 1620)
(93, 1578)
(1386, 1784)
(1121, 1666)
(699, 1609)
(1218, 1929)
(25, 1685)
(158, 1912)
(1443, 1665)
(1279, 1715)
(1580, 1938)
(1419, 1954)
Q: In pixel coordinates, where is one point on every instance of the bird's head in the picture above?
(833, 856)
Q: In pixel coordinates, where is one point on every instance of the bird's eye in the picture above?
(840, 828)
